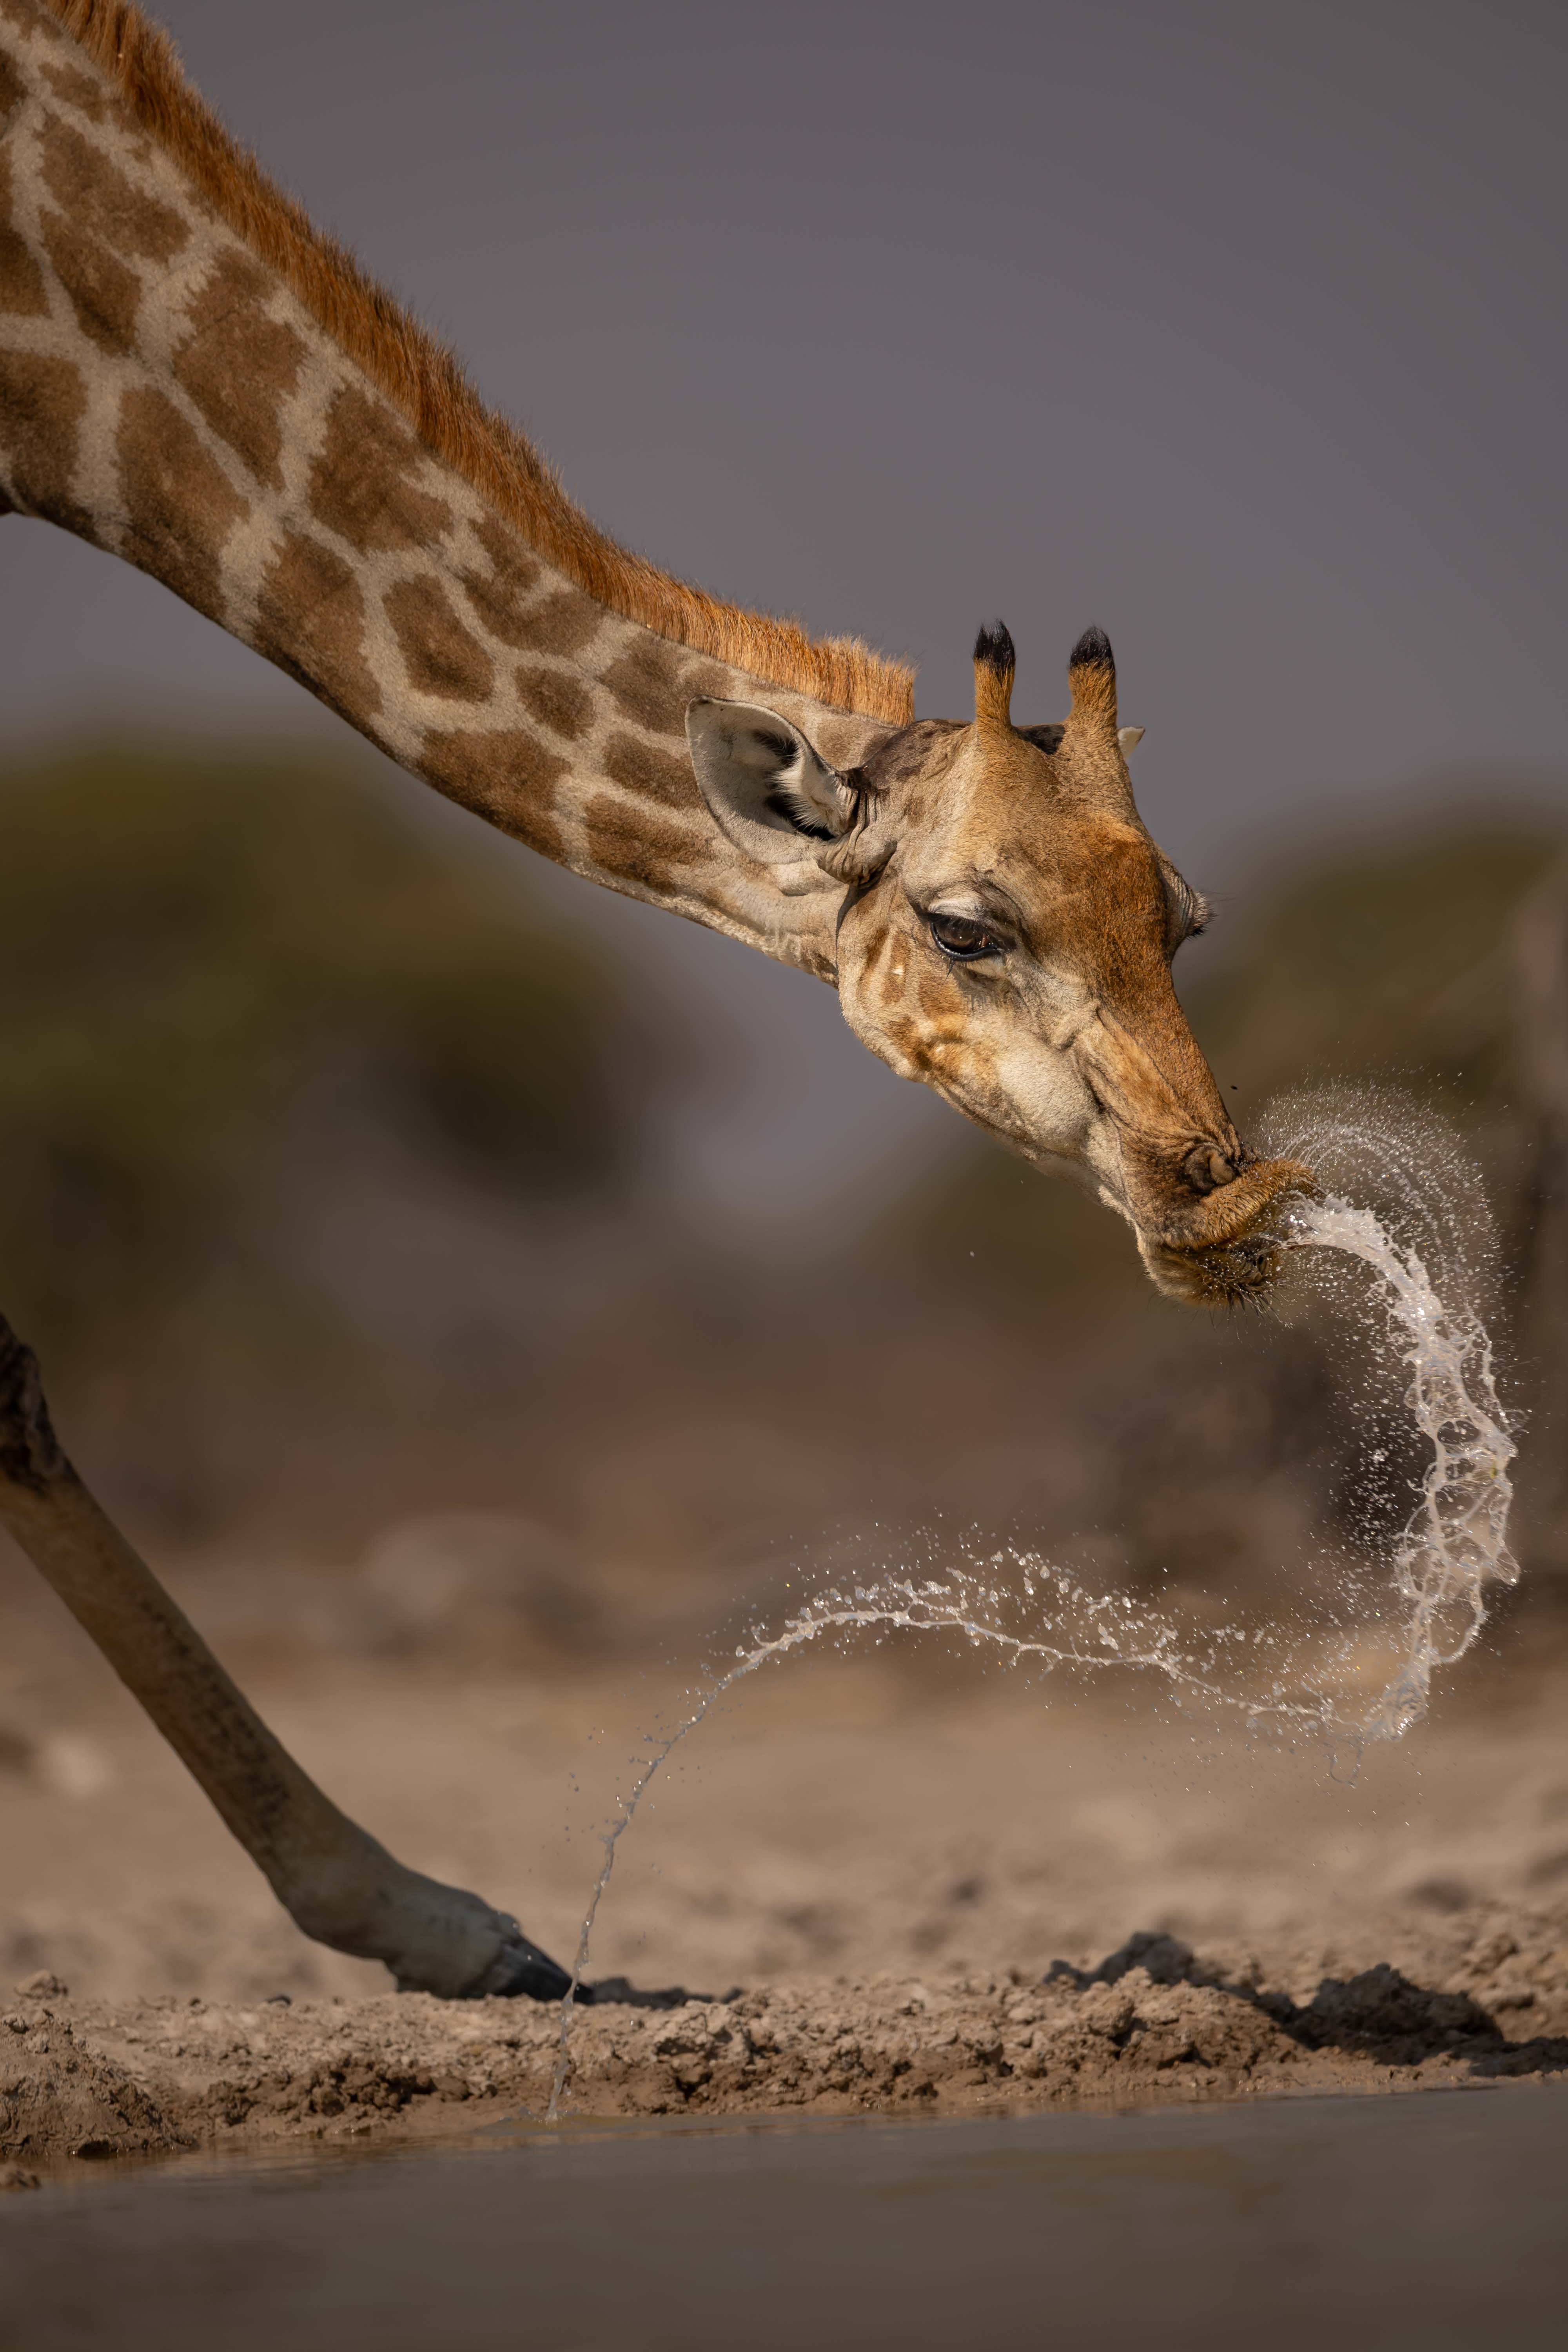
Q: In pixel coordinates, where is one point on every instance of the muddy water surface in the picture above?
(1431, 2221)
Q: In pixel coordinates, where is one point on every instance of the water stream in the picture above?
(1356, 1669)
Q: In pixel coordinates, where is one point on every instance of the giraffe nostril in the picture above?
(1206, 1168)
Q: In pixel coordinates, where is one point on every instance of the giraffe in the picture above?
(195, 378)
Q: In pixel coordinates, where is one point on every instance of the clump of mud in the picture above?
(1481, 1998)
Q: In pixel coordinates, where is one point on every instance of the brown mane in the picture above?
(425, 380)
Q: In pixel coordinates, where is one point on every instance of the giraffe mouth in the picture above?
(1229, 1243)
(1207, 1210)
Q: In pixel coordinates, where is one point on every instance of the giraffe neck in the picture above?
(166, 394)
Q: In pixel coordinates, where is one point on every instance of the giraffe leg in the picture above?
(335, 1881)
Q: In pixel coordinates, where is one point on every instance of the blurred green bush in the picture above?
(212, 959)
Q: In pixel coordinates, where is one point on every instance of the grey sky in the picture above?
(1238, 328)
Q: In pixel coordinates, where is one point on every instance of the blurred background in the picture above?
(439, 1264)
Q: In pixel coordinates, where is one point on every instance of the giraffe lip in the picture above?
(1232, 1212)
(1226, 1245)
(1213, 1277)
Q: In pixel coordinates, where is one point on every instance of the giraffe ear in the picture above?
(764, 784)
(1129, 738)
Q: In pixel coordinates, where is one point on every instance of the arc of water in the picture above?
(1453, 1545)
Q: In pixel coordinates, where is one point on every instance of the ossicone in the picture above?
(1092, 651)
(1091, 675)
(995, 664)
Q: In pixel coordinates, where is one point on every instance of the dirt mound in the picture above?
(61, 2095)
(1153, 2020)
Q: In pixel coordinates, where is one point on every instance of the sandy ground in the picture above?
(859, 1887)
(1486, 2000)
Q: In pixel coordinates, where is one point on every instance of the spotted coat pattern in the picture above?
(165, 395)
(171, 396)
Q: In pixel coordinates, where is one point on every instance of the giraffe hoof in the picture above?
(521, 1971)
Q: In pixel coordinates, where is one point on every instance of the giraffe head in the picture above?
(1006, 933)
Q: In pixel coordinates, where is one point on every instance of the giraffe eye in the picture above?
(961, 938)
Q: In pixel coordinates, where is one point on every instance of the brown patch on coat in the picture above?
(12, 90)
(499, 595)
(105, 292)
(624, 840)
(563, 625)
(645, 683)
(560, 701)
(22, 291)
(76, 88)
(180, 504)
(361, 485)
(699, 677)
(927, 747)
(498, 607)
(657, 775)
(32, 16)
(499, 599)
(312, 622)
(424, 381)
(439, 655)
(506, 776)
(507, 555)
(42, 403)
(239, 366)
(101, 201)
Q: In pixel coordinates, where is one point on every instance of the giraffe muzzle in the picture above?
(1227, 1243)
(1207, 1167)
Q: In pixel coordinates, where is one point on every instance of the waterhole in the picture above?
(1428, 2221)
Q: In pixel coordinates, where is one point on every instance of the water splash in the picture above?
(1455, 1542)
(1426, 1245)
(1430, 1245)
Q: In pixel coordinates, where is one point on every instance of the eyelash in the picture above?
(1196, 912)
(983, 945)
